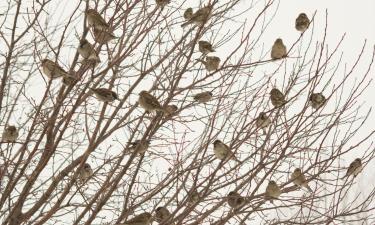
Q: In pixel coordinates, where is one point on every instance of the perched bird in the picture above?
(277, 97)
(162, 214)
(140, 219)
(205, 47)
(302, 22)
(193, 197)
(170, 110)
(52, 70)
(263, 121)
(199, 17)
(69, 79)
(317, 100)
(299, 179)
(278, 50)
(235, 200)
(149, 102)
(87, 51)
(212, 63)
(94, 19)
(10, 134)
(222, 151)
(103, 36)
(273, 191)
(140, 146)
(203, 97)
(105, 94)
(188, 14)
(85, 173)
(162, 3)
(354, 168)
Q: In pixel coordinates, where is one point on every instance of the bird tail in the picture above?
(186, 23)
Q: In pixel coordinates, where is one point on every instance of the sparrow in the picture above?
(203, 97)
(188, 14)
(205, 47)
(222, 151)
(193, 198)
(299, 179)
(317, 100)
(170, 110)
(69, 79)
(85, 173)
(149, 102)
(87, 51)
(103, 36)
(52, 70)
(94, 19)
(199, 17)
(140, 219)
(162, 3)
(263, 121)
(278, 50)
(212, 63)
(105, 94)
(162, 214)
(273, 191)
(10, 134)
(302, 22)
(277, 97)
(139, 146)
(235, 200)
(354, 168)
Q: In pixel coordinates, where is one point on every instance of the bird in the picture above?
(354, 168)
(235, 200)
(103, 36)
(85, 173)
(170, 110)
(162, 3)
(273, 191)
(140, 146)
(222, 151)
(263, 121)
(105, 94)
(193, 198)
(199, 17)
(10, 134)
(299, 179)
(149, 102)
(87, 51)
(203, 97)
(188, 14)
(52, 70)
(317, 100)
(69, 79)
(205, 47)
(278, 50)
(302, 22)
(277, 97)
(140, 219)
(95, 20)
(162, 214)
(211, 64)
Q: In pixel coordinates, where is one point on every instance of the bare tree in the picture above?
(77, 159)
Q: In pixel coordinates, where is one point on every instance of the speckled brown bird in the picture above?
(235, 200)
(203, 97)
(212, 63)
(141, 219)
(302, 22)
(95, 20)
(273, 191)
(10, 134)
(200, 17)
(317, 100)
(140, 146)
(85, 173)
(87, 51)
(354, 168)
(149, 102)
(205, 47)
(52, 70)
(263, 121)
(278, 50)
(277, 97)
(299, 179)
(105, 94)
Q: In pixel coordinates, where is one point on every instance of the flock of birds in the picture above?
(102, 33)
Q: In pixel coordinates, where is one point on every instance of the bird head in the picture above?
(297, 170)
(279, 41)
(82, 42)
(12, 129)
